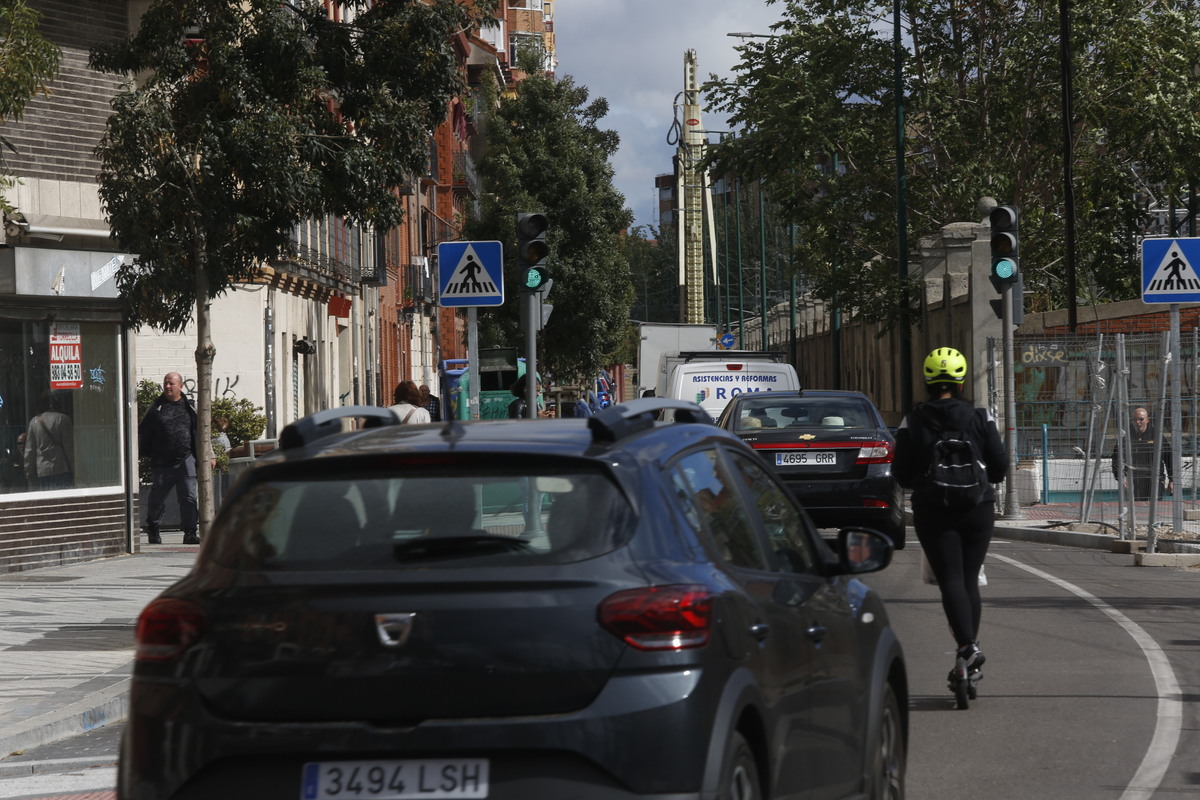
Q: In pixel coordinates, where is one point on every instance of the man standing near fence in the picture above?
(1139, 461)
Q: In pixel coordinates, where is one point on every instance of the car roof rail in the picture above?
(307, 430)
(633, 416)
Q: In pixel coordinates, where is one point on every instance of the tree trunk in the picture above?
(205, 354)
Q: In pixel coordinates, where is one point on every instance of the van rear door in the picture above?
(713, 384)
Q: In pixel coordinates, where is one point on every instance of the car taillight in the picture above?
(167, 628)
(875, 453)
(659, 617)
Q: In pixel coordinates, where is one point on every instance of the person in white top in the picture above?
(407, 400)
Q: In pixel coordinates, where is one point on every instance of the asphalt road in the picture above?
(1093, 669)
(1089, 693)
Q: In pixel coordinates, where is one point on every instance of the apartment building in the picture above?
(340, 322)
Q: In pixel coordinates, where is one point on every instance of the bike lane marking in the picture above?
(1169, 718)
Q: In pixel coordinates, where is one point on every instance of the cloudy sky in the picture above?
(631, 52)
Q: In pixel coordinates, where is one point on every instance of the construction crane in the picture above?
(693, 190)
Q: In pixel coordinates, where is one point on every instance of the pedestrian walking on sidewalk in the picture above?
(167, 436)
(955, 539)
(431, 403)
(406, 404)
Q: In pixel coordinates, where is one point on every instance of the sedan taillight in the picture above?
(875, 453)
(659, 617)
(167, 628)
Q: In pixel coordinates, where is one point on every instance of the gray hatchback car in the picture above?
(603, 609)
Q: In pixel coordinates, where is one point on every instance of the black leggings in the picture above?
(955, 544)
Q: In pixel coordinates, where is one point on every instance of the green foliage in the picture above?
(27, 60)
(147, 392)
(652, 265)
(266, 115)
(983, 108)
(27, 63)
(547, 153)
(246, 420)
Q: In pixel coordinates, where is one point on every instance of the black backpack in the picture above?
(956, 477)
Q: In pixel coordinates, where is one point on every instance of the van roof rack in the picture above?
(633, 416)
(307, 430)
(729, 355)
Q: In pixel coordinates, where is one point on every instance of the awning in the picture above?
(49, 225)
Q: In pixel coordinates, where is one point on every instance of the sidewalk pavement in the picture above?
(66, 641)
(66, 633)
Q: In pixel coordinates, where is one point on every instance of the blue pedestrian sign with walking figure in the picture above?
(1169, 270)
(470, 274)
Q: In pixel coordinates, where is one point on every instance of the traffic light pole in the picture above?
(532, 252)
(1012, 503)
(531, 300)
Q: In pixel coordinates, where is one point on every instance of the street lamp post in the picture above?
(906, 389)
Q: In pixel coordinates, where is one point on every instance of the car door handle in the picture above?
(817, 633)
(760, 630)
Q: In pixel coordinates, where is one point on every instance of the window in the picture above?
(713, 498)
(371, 519)
(60, 405)
(786, 527)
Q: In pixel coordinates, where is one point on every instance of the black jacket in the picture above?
(922, 428)
(155, 441)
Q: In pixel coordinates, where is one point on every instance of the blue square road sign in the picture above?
(470, 274)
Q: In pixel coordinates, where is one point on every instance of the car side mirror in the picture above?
(862, 550)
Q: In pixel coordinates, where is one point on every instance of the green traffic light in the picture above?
(535, 277)
(1004, 269)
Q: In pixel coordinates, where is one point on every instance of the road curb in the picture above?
(100, 708)
(1065, 538)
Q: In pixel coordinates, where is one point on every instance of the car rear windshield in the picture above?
(818, 412)
(440, 517)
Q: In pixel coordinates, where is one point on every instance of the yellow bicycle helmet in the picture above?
(945, 365)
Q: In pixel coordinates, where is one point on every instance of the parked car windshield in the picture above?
(440, 518)
(817, 412)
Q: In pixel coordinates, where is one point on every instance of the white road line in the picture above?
(1170, 701)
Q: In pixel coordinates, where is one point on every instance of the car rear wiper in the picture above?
(469, 542)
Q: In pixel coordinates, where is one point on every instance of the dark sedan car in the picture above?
(831, 448)
(600, 609)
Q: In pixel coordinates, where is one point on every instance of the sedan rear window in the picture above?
(825, 413)
(441, 518)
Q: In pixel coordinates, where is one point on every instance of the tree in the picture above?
(546, 153)
(27, 63)
(250, 116)
(653, 265)
(983, 102)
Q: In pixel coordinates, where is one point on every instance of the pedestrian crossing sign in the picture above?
(470, 274)
(1169, 270)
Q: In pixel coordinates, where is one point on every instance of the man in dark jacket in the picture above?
(955, 540)
(1139, 461)
(167, 436)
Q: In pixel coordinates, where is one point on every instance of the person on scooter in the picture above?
(955, 539)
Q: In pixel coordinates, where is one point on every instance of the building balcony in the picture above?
(465, 177)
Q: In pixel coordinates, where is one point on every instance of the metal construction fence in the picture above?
(1074, 398)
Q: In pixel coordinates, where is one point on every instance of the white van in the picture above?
(712, 378)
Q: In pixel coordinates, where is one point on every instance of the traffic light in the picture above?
(540, 307)
(532, 250)
(1005, 263)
